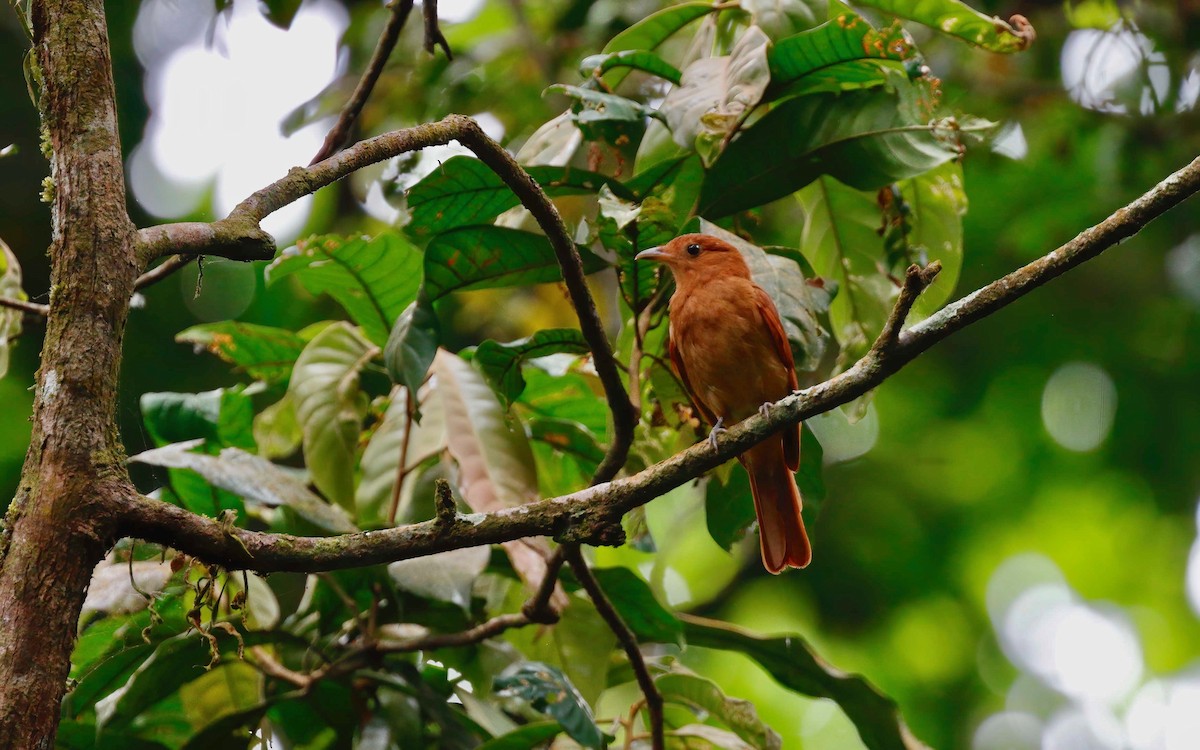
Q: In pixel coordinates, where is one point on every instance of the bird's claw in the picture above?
(765, 409)
(717, 429)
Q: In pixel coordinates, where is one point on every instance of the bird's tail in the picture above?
(777, 504)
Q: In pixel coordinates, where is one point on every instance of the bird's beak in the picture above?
(654, 253)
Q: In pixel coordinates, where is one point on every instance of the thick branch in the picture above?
(585, 515)
(227, 238)
(340, 132)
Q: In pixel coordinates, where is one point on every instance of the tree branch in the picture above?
(534, 198)
(588, 515)
(628, 641)
(230, 238)
(433, 33)
(31, 308)
(340, 132)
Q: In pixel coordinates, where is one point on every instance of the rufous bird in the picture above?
(728, 347)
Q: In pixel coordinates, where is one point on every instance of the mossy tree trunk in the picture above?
(58, 526)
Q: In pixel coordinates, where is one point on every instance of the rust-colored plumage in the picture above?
(729, 348)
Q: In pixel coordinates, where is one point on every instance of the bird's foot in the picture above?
(765, 409)
(717, 429)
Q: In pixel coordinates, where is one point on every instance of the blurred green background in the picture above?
(1008, 546)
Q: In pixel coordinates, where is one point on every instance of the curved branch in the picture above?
(340, 132)
(534, 198)
(589, 515)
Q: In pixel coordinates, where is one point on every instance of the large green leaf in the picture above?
(73, 735)
(464, 191)
(484, 257)
(782, 18)
(639, 608)
(445, 576)
(602, 115)
(959, 19)
(501, 363)
(495, 463)
(223, 417)
(330, 407)
(841, 241)
(717, 93)
(707, 699)
(548, 690)
(789, 660)
(848, 36)
(253, 478)
(864, 138)
(728, 507)
(373, 279)
(10, 288)
(263, 352)
(652, 31)
(637, 59)
(936, 203)
(528, 737)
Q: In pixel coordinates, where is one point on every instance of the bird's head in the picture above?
(697, 257)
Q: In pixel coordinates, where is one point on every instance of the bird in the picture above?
(727, 345)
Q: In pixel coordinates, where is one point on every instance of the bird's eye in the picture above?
(693, 249)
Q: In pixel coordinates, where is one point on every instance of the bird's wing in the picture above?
(774, 326)
(681, 371)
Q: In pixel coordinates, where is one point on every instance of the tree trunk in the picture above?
(61, 522)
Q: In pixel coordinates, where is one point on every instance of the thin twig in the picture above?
(163, 270)
(32, 308)
(402, 469)
(916, 281)
(340, 132)
(654, 700)
(433, 33)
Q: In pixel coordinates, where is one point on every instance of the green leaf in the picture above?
(790, 661)
(937, 203)
(381, 459)
(567, 436)
(864, 138)
(601, 115)
(717, 94)
(846, 37)
(501, 363)
(485, 257)
(529, 737)
(372, 279)
(445, 576)
(253, 478)
(652, 31)
(781, 18)
(565, 395)
(223, 417)
(464, 192)
(276, 430)
(263, 352)
(636, 59)
(74, 735)
(841, 241)
(174, 663)
(230, 728)
(729, 507)
(10, 288)
(548, 690)
(330, 407)
(810, 477)
(706, 698)
(960, 20)
(495, 463)
(280, 12)
(639, 608)
(412, 343)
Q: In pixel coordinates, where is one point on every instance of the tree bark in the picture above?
(59, 524)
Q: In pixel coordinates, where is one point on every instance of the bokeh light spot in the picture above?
(1078, 405)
